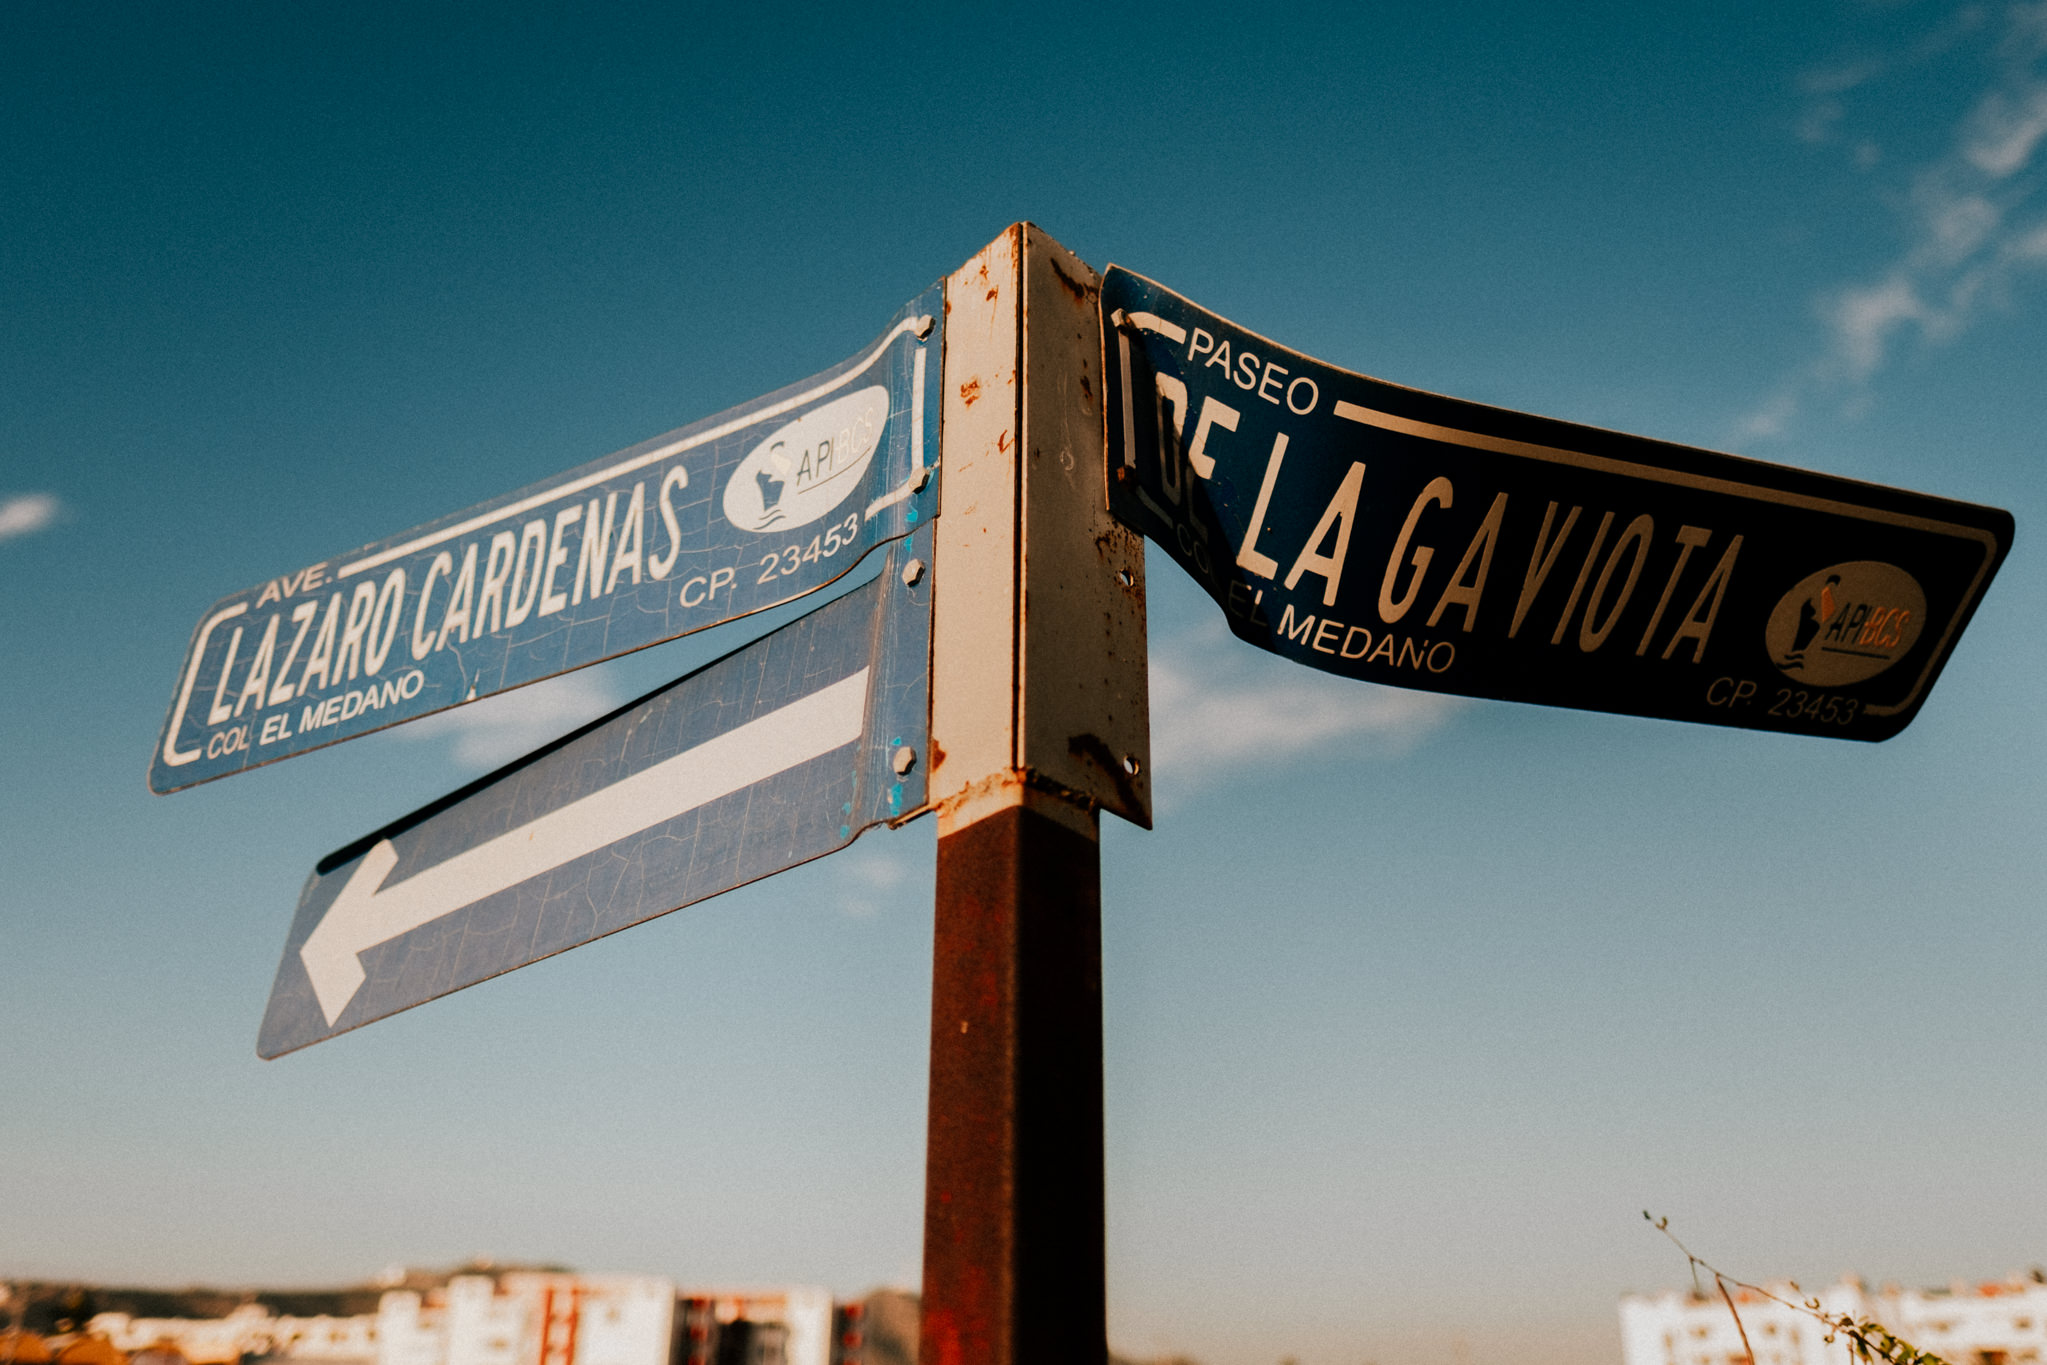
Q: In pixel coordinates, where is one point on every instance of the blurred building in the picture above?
(201, 1341)
(325, 1340)
(513, 1318)
(849, 1333)
(2003, 1322)
(528, 1318)
(249, 1332)
(540, 1319)
(789, 1326)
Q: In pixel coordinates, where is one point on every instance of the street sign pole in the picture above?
(1013, 1231)
(1039, 722)
(1830, 607)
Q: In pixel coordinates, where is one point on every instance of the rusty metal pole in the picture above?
(1013, 1258)
(1039, 721)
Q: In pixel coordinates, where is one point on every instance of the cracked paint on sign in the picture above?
(776, 754)
(625, 552)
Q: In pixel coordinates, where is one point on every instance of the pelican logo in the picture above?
(808, 467)
(1846, 623)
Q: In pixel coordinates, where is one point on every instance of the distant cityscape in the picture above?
(485, 1314)
(477, 1315)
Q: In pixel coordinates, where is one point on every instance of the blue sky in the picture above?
(1412, 1005)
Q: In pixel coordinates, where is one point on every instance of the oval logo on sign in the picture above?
(1846, 623)
(809, 467)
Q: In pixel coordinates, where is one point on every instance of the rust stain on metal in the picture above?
(969, 391)
(1013, 1205)
(1077, 288)
(992, 291)
(1090, 746)
(942, 1338)
(1112, 546)
(1002, 441)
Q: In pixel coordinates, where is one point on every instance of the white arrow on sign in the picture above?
(367, 912)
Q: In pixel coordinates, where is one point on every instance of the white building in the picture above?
(1999, 1323)
(531, 1319)
(326, 1340)
(246, 1332)
(203, 1341)
(525, 1318)
(518, 1318)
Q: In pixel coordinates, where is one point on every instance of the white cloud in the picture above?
(1769, 420)
(1820, 120)
(1829, 81)
(1974, 226)
(26, 513)
(1864, 320)
(2006, 128)
(866, 879)
(494, 731)
(1219, 706)
(2033, 245)
(1956, 227)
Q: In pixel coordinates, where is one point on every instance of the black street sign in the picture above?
(778, 753)
(1407, 538)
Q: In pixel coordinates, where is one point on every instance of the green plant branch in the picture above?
(1728, 1299)
(1867, 1339)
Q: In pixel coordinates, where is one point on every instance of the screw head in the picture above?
(913, 573)
(905, 759)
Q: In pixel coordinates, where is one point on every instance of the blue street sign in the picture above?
(739, 512)
(776, 754)
(1407, 538)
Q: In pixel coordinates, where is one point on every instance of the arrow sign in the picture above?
(773, 755)
(731, 515)
(1407, 538)
(368, 912)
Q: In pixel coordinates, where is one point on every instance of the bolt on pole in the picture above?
(1039, 721)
